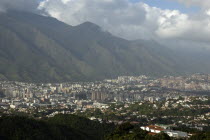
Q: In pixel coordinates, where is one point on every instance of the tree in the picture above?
(160, 136)
(163, 136)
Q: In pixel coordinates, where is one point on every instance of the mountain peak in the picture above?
(89, 25)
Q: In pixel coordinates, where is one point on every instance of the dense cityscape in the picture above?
(104, 70)
(178, 106)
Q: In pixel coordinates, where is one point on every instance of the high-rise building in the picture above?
(99, 96)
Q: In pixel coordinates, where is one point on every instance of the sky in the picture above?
(170, 22)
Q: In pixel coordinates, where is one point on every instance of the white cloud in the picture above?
(126, 19)
(131, 20)
(122, 18)
(172, 24)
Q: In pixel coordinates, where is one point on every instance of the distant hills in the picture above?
(42, 49)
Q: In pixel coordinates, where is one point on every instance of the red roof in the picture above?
(155, 127)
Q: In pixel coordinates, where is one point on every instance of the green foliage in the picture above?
(127, 131)
(201, 136)
(19, 128)
(160, 136)
(144, 109)
(91, 128)
(60, 127)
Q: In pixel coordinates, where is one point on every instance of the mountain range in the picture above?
(36, 48)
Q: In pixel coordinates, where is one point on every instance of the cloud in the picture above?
(122, 18)
(132, 20)
(23, 5)
(127, 19)
(200, 3)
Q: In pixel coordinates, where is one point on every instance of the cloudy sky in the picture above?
(179, 21)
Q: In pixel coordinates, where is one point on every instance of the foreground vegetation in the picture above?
(59, 127)
(72, 127)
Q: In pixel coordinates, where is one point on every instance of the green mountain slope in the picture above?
(38, 48)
